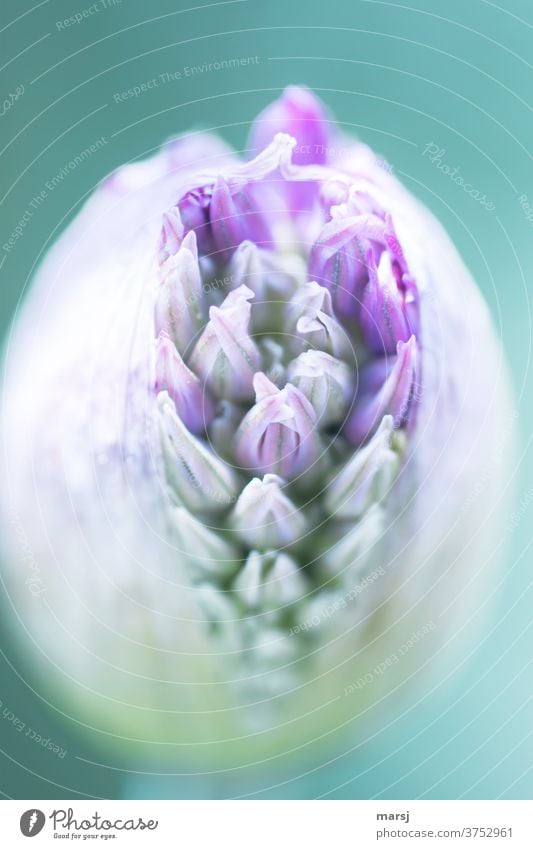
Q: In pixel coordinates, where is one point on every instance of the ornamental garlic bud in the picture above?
(239, 388)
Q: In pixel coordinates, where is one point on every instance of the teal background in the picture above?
(400, 76)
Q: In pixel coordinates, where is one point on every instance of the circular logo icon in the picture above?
(32, 822)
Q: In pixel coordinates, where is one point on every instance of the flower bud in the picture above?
(284, 383)
(199, 479)
(225, 356)
(277, 435)
(171, 234)
(178, 310)
(299, 114)
(337, 259)
(269, 582)
(209, 556)
(366, 478)
(273, 279)
(394, 397)
(193, 403)
(347, 555)
(310, 316)
(265, 517)
(326, 382)
(384, 317)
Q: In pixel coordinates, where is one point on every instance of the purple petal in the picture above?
(337, 259)
(278, 434)
(227, 223)
(225, 356)
(310, 317)
(194, 213)
(396, 396)
(193, 404)
(179, 305)
(301, 115)
(235, 217)
(384, 318)
(200, 480)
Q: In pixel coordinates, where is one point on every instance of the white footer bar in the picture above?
(268, 824)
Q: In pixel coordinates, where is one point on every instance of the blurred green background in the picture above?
(400, 76)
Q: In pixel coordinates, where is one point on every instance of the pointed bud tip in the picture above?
(225, 356)
(264, 517)
(279, 433)
(171, 234)
(395, 396)
(192, 401)
(201, 481)
(300, 114)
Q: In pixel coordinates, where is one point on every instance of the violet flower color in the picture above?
(248, 404)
